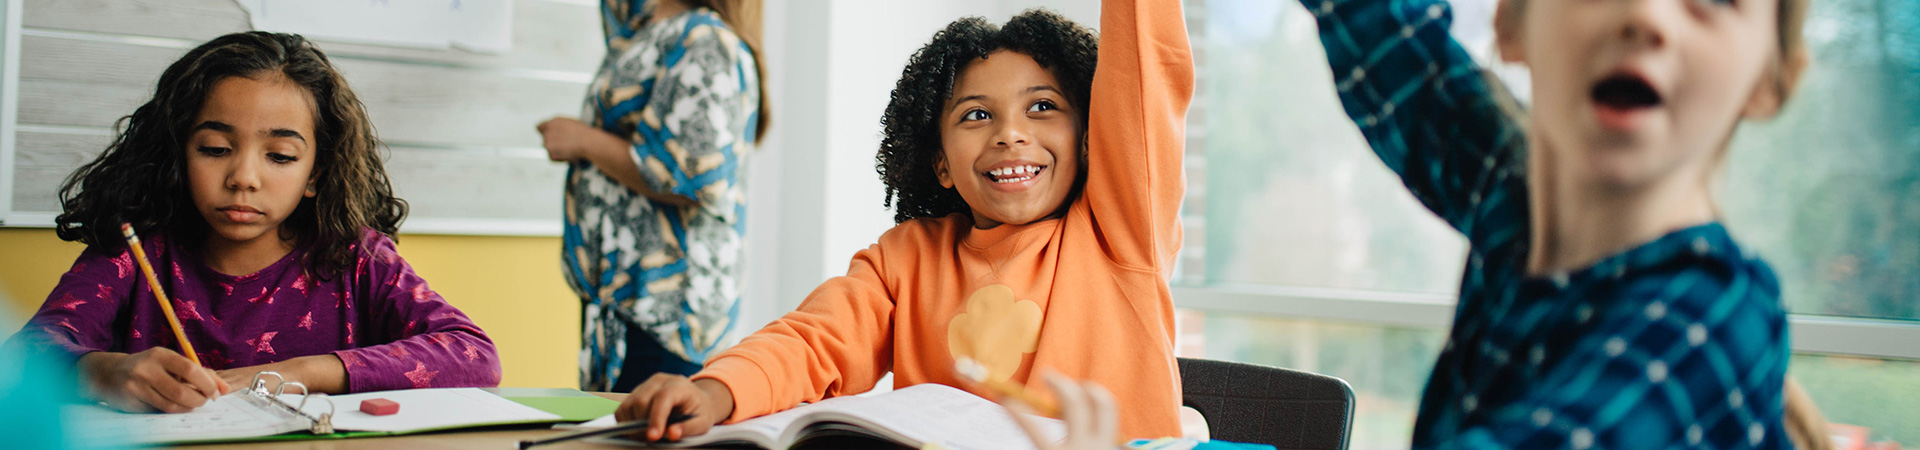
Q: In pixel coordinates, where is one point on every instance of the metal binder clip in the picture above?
(321, 425)
(259, 386)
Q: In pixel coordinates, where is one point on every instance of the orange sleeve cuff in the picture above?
(752, 393)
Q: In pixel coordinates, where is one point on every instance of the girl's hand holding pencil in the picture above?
(157, 378)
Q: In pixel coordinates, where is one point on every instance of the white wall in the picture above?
(815, 197)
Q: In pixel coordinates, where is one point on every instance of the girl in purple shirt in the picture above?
(252, 176)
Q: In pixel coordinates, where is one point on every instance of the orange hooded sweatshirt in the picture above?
(1084, 294)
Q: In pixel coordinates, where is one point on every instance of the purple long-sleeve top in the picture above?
(389, 330)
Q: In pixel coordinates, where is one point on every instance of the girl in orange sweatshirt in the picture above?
(1037, 200)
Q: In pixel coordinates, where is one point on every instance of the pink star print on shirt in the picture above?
(351, 360)
(122, 265)
(69, 302)
(262, 296)
(186, 310)
(422, 378)
(263, 344)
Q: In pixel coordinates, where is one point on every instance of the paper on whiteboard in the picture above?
(484, 26)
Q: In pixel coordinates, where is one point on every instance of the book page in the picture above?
(931, 413)
(230, 416)
(424, 410)
(914, 416)
(763, 432)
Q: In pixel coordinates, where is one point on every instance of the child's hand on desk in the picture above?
(155, 379)
(1093, 422)
(320, 373)
(708, 401)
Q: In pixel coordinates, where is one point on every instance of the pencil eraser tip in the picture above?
(379, 406)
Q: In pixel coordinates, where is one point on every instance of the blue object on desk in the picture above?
(1191, 444)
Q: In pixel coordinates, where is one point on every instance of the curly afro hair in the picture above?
(910, 143)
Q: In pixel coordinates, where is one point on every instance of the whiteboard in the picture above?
(484, 26)
(458, 125)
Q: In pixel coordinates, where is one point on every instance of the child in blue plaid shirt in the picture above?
(1604, 306)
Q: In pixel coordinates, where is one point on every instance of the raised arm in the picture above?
(1427, 109)
(1136, 131)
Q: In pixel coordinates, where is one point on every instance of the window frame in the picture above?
(1832, 335)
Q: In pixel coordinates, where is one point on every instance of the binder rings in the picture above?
(285, 411)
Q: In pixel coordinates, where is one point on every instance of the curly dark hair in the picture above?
(910, 143)
(142, 179)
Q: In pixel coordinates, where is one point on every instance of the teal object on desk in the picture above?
(1191, 444)
(30, 401)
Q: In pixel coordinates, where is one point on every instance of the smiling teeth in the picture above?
(1015, 171)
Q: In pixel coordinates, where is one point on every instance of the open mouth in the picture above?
(1625, 92)
(1014, 174)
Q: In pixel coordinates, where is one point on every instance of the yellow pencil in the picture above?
(153, 281)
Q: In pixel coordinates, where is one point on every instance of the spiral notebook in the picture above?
(262, 414)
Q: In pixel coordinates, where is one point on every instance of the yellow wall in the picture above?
(511, 286)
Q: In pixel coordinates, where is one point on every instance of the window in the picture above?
(1303, 251)
(1829, 192)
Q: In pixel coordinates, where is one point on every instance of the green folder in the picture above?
(571, 405)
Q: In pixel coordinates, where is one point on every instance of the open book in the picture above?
(249, 415)
(919, 416)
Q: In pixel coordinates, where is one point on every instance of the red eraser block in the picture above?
(379, 406)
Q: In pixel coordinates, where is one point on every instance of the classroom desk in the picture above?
(495, 439)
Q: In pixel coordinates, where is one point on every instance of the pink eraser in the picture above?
(379, 406)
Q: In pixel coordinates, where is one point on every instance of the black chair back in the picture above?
(1287, 409)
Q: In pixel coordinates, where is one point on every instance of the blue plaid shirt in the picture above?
(1678, 343)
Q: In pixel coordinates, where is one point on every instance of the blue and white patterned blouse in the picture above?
(685, 91)
(1678, 343)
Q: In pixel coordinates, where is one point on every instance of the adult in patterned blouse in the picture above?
(654, 206)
